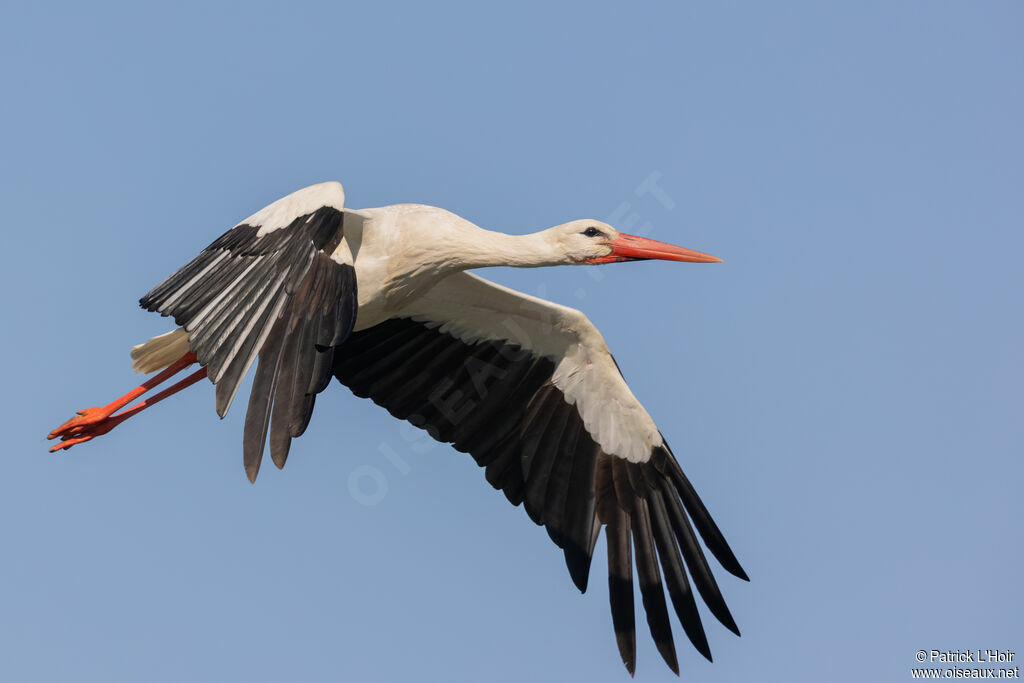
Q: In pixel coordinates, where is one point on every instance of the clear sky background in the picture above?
(844, 390)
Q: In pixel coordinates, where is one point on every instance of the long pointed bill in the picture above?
(632, 248)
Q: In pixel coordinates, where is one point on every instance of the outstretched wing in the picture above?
(529, 389)
(279, 286)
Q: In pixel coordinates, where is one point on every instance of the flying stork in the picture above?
(381, 300)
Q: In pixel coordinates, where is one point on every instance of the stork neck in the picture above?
(498, 249)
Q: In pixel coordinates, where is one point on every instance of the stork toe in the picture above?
(82, 420)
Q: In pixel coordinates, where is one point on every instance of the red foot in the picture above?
(82, 420)
(86, 431)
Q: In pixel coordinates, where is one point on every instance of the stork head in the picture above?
(588, 242)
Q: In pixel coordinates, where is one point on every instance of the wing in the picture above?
(272, 287)
(529, 389)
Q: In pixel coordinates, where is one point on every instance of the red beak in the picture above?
(632, 248)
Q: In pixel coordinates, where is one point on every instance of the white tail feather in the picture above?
(160, 351)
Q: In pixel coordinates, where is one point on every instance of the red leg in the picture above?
(91, 431)
(98, 420)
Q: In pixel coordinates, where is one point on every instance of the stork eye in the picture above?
(592, 232)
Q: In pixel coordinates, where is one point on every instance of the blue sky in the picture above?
(844, 390)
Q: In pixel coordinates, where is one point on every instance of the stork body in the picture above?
(380, 300)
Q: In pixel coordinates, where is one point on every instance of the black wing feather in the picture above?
(257, 417)
(651, 590)
(675, 577)
(620, 585)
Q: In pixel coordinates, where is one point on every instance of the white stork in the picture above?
(381, 300)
